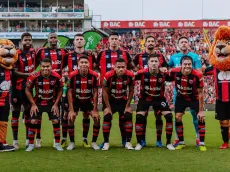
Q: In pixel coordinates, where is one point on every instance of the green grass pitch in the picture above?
(150, 158)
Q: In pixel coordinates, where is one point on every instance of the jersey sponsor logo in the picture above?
(185, 80)
(41, 91)
(43, 83)
(5, 86)
(224, 75)
(56, 62)
(118, 91)
(83, 90)
(29, 68)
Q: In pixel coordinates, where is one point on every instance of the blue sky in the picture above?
(159, 9)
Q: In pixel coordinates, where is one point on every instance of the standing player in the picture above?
(23, 68)
(105, 63)
(189, 85)
(115, 87)
(83, 94)
(152, 94)
(175, 62)
(71, 60)
(48, 87)
(57, 56)
(141, 61)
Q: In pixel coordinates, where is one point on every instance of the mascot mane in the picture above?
(219, 53)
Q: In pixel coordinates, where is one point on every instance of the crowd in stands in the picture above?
(35, 7)
(133, 42)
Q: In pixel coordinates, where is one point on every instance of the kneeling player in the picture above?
(115, 86)
(152, 94)
(48, 87)
(189, 86)
(82, 91)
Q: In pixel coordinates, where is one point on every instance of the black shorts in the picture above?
(222, 110)
(4, 112)
(181, 105)
(46, 109)
(157, 105)
(21, 98)
(84, 107)
(116, 106)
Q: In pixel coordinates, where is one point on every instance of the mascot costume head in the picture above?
(8, 56)
(219, 53)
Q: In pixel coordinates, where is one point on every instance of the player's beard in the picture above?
(150, 48)
(27, 46)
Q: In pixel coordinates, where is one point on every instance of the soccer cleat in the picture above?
(224, 146)
(138, 146)
(175, 143)
(95, 146)
(128, 146)
(197, 142)
(123, 143)
(38, 143)
(85, 143)
(105, 147)
(27, 142)
(202, 148)
(180, 146)
(30, 148)
(15, 144)
(143, 143)
(63, 143)
(6, 148)
(159, 144)
(170, 147)
(58, 147)
(71, 146)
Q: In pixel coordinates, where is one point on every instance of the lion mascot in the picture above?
(219, 55)
(8, 56)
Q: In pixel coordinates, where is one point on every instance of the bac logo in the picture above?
(211, 24)
(112, 24)
(161, 24)
(136, 24)
(186, 24)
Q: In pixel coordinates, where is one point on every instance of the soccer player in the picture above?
(83, 94)
(222, 102)
(141, 61)
(189, 85)
(48, 87)
(152, 94)
(117, 83)
(57, 56)
(174, 61)
(23, 68)
(105, 63)
(72, 59)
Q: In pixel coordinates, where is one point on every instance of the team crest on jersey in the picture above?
(125, 82)
(46, 54)
(160, 80)
(52, 82)
(107, 56)
(177, 78)
(77, 82)
(90, 81)
(109, 65)
(2, 74)
(190, 81)
(114, 83)
(59, 53)
(23, 59)
(73, 58)
(146, 80)
(163, 104)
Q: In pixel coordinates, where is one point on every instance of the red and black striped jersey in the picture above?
(106, 59)
(187, 86)
(46, 88)
(25, 64)
(82, 86)
(141, 60)
(56, 55)
(152, 86)
(222, 83)
(118, 86)
(5, 83)
(72, 60)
